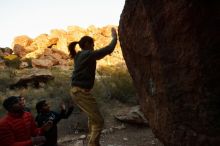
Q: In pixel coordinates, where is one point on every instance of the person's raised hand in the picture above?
(114, 32)
(62, 106)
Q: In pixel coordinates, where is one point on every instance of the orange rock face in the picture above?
(53, 48)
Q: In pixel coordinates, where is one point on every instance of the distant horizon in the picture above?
(32, 18)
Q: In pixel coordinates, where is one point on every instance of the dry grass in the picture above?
(111, 83)
(115, 83)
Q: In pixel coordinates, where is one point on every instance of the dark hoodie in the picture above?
(51, 135)
(85, 65)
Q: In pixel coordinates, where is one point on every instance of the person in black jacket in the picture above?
(44, 114)
(83, 77)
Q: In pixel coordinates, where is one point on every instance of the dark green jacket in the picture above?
(85, 65)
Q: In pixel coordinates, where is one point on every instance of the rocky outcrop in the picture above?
(172, 49)
(131, 115)
(5, 51)
(34, 77)
(21, 45)
(53, 48)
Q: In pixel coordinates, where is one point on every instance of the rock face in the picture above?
(131, 115)
(49, 50)
(172, 52)
(35, 77)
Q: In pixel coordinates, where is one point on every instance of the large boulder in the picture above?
(32, 77)
(172, 52)
(131, 115)
(20, 44)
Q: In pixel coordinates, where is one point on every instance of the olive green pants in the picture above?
(85, 101)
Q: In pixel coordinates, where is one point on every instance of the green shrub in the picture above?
(115, 83)
(111, 83)
(12, 61)
(6, 77)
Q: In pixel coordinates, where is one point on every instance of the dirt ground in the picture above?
(130, 136)
(72, 131)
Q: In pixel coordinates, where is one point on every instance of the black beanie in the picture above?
(8, 102)
(40, 105)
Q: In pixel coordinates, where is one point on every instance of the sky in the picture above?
(34, 17)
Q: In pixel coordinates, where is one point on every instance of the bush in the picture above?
(115, 83)
(6, 77)
(111, 83)
(12, 61)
